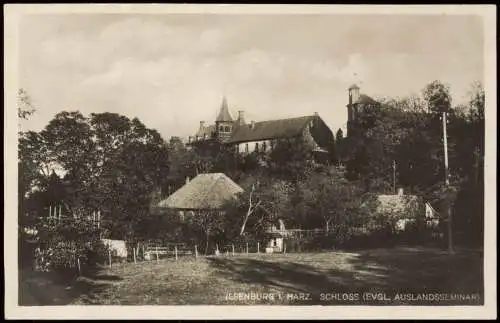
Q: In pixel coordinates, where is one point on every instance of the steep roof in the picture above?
(365, 99)
(207, 130)
(224, 114)
(272, 129)
(205, 191)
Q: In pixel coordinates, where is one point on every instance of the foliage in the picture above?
(65, 241)
(437, 96)
(209, 223)
(25, 106)
(291, 160)
(107, 161)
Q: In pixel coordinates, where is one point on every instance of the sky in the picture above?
(172, 70)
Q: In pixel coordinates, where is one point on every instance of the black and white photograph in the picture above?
(263, 158)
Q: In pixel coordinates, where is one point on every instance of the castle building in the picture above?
(247, 137)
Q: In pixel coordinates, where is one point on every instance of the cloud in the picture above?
(171, 71)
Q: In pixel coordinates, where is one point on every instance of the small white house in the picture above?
(275, 242)
(118, 247)
(403, 208)
(431, 216)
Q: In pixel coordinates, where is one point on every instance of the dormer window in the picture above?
(256, 147)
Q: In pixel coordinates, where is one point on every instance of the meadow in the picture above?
(326, 278)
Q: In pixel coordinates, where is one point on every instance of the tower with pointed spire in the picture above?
(224, 122)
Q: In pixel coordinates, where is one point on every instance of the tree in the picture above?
(110, 163)
(331, 197)
(339, 145)
(252, 206)
(437, 96)
(209, 222)
(291, 159)
(25, 106)
(263, 201)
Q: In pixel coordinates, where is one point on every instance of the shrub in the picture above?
(97, 253)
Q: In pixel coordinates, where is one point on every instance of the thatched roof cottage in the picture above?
(204, 192)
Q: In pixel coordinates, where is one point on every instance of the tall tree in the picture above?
(339, 145)
(437, 96)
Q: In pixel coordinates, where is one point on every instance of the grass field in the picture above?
(340, 276)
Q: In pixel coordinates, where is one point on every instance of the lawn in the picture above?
(327, 278)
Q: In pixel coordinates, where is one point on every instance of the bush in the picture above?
(97, 253)
(60, 257)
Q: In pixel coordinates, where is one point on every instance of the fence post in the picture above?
(247, 248)
(217, 249)
(196, 251)
(157, 254)
(109, 256)
(284, 247)
(232, 245)
(258, 247)
(79, 268)
(135, 261)
(176, 252)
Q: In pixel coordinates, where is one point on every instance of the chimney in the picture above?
(252, 124)
(202, 124)
(400, 191)
(187, 179)
(241, 117)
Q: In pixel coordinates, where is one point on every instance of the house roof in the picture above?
(224, 114)
(272, 129)
(365, 99)
(205, 191)
(396, 203)
(207, 130)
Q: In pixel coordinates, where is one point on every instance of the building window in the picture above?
(256, 147)
(264, 146)
(221, 128)
(246, 148)
(227, 129)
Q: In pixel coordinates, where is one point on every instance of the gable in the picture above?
(208, 130)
